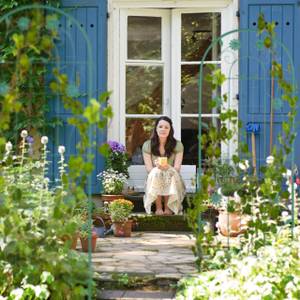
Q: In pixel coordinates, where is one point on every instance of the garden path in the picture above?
(156, 258)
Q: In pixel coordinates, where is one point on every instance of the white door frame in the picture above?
(228, 8)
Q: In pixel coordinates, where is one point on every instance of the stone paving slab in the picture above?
(158, 254)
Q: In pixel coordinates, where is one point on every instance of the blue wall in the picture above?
(73, 61)
(255, 82)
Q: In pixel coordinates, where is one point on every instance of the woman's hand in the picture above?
(163, 167)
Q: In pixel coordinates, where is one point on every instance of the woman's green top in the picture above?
(178, 149)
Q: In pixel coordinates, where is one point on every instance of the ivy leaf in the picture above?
(261, 23)
(104, 96)
(24, 61)
(104, 149)
(92, 112)
(268, 42)
(52, 22)
(108, 112)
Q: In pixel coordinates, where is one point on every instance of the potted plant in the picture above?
(85, 228)
(230, 221)
(112, 183)
(117, 158)
(119, 211)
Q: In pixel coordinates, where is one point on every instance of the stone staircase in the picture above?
(149, 264)
(145, 266)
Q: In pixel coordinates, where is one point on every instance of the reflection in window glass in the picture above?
(189, 90)
(197, 32)
(137, 132)
(144, 38)
(144, 90)
(189, 138)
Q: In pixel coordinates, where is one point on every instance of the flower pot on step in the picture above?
(123, 229)
(111, 198)
(85, 242)
(72, 240)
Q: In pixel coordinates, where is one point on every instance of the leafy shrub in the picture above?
(274, 273)
(33, 220)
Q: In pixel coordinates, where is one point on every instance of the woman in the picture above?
(164, 181)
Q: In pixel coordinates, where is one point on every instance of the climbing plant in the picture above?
(27, 36)
(26, 43)
(260, 194)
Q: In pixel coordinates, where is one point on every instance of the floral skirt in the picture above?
(164, 183)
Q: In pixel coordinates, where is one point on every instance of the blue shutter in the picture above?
(255, 82)
(72, 52)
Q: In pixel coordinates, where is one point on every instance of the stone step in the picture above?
(137, 199)
(144, 222)
(135, 295)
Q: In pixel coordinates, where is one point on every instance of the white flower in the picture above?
(44, 140)
(17, 293)
(288, 173)
(61, 149)
(270, 160)
(8, 146)
(207, 228)
(244, 165)
(24, 134)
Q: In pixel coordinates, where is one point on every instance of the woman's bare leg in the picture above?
(158, 203)
(167, 211)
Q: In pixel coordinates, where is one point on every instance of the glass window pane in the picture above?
(197, 32)
(189, 90)
(144, 38)
(189, 137)
(144, 90)
(137, 132)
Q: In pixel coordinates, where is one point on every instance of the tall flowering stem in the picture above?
(61, 163)
(24, 135)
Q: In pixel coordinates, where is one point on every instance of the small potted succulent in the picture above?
(120, 211)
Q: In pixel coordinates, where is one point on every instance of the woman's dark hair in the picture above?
(171, 141)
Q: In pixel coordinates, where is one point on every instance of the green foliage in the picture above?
(120, 210)
(33, 220)
(273, 274)
(26, 46)
(263, 199)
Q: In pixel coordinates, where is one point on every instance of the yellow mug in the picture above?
(163, 161)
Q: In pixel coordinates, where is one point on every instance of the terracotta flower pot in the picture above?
(110, 198)
(231, 224)
(123, 229)
(72, 240)
(85, 242)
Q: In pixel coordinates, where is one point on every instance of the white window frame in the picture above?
(228, 8)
